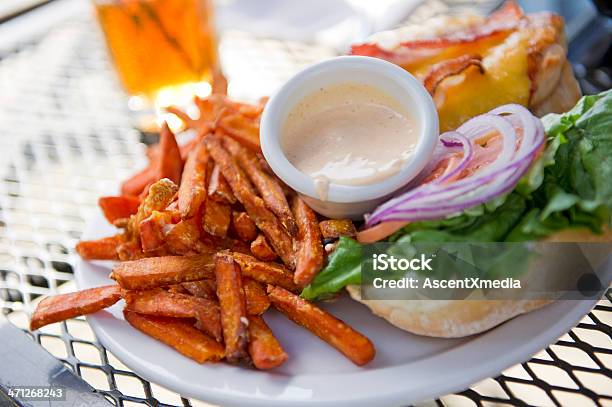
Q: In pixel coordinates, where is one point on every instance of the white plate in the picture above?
(407, 368)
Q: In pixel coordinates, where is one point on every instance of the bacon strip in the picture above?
(499, 24)
(65, 306)
(443, 70)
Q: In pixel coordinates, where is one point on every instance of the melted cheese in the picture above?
(506, 80)
(471, 93)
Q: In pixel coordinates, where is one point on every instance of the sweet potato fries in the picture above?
(351, 343)
(199, 232)
(66, 306)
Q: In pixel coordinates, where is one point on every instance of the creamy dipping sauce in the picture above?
(349, 134)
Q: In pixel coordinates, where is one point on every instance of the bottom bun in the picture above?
(447, 318)
(457, 318)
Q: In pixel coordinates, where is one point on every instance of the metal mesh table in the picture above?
(67, 138)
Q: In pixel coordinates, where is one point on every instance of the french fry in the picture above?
(257, 301)
(218, 189)
(137, 183)
(268, 187)
(188, 122)
(160, 302)
(208, 320)
(184, 237)
(163, 303)
(201, 289)
(261, 249)
(118, 207)
(265, 350)
(335, 228)
(233, 307)
(66, 306)
(121, 223)
(263, 164)
(177, 288)
(153, 272)
(245, 228)
(355, 346)
(210, 242)
(179, 334)
(131, 250)
(210, 108)
(173, 209)
(217, 218)
(219, 81)
(99, 249)
(265, 272)
(152, 152)
(265, 220)
(311, 255)
(159, 195)
(189, 146)
(242, 129)
(170, 163)
(192, 190)
(151, 230)
(233, 174)
(274, 231)
(253, 111)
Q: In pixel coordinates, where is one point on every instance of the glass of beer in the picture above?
(160, 47)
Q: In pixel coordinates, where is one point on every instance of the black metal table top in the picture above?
(67, 136)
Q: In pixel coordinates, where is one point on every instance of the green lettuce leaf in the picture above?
(568, 186)
(343, 268)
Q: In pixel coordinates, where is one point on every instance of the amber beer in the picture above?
(159, 43)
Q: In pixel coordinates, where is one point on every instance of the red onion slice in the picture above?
(454, 140)
(522, 136)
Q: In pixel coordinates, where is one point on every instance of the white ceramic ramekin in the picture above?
(349, 201)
